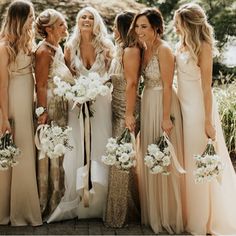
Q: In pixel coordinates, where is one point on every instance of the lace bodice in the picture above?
(187, 68)
(151, 74)
(99, 65)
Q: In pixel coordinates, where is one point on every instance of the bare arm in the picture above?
(131, 62)
(205, 64)
(42, 63)
(4, 83)
(67, 55)
(166, 60)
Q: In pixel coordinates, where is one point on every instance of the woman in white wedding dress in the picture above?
(89, 49)
(210, 206)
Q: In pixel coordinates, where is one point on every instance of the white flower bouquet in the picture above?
(52, 140)
(85, 89)
(120, 151)
(8, 152)
(208, 165)
(160, 155)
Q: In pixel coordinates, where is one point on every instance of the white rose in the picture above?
(157, 169)
(166, 160)
(124, 157)
(59, 149)
(56, 130)
(152, 149)
(149, 162)
(109, 160)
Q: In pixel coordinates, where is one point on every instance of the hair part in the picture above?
(14, 30)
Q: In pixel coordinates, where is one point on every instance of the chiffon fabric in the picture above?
(161, 196)
(122, 199)
(50, 173)
(73, 204)
(210, 206)
(19, 201)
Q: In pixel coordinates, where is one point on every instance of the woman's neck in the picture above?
(86, 38)
(52, 41)
(152, 44)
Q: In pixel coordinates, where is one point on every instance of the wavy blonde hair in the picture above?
(46, 19)
(101, 39)
(194, 28)
(18, 36)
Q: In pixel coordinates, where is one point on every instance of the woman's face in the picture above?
(116, 33)
(86, 22)
(30, 19)
(60, 28)
(143, 29)
(177, 24)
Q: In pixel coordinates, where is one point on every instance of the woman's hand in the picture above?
(130, 122)
(5, 127)
(167, 126)
(210, 130)
(43, 119)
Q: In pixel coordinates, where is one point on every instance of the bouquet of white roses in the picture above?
(52, 140)
(85, 89)
(160, 155)
(120, 151)
(209, 165)
(8, 152)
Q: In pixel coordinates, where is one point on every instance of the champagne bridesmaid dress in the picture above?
(161, 196)
(211, 206)
(19, 201)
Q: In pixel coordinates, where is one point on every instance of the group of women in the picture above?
(79, 184)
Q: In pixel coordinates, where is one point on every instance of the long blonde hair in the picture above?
(194, 28)
(14, 31)
(101, 38)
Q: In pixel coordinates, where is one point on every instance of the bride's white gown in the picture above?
(72, 204)
(211, 207)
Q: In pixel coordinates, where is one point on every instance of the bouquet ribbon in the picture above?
(87, 155)
(176, 163)
(38, 137)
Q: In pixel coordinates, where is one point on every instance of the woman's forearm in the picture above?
(207, 97)
(4, 103)
(42, 96)
(131, 93)
(167, 95)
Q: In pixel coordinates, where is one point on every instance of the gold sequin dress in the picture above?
(50, 173)
(122, 200)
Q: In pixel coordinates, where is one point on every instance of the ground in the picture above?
(81, 227)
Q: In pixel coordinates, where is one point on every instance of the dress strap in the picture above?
(50, 45)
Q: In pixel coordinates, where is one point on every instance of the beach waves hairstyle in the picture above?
(101, 39)
(18, 36)
(194, 28)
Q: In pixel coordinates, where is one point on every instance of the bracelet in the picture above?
(40, 110)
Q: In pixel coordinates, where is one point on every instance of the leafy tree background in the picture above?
(221, 15)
